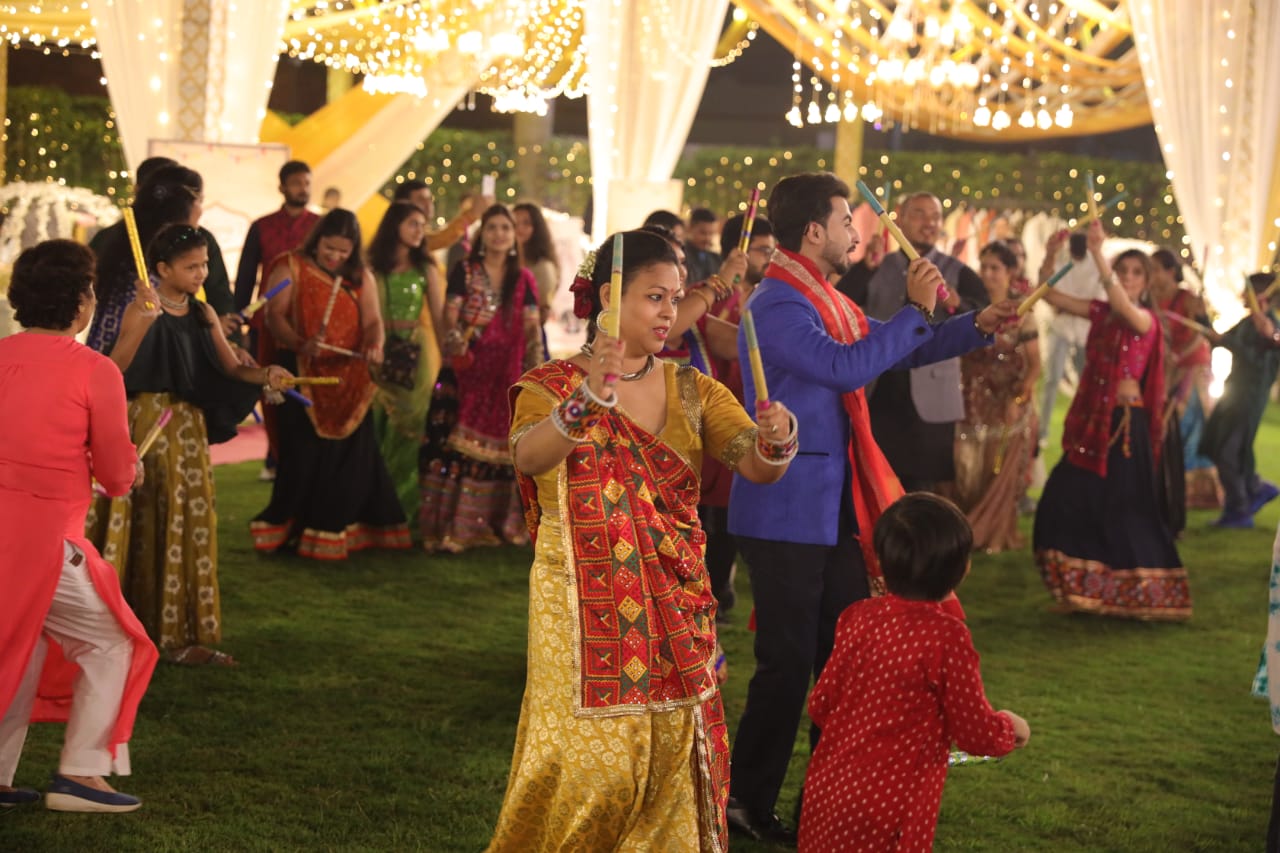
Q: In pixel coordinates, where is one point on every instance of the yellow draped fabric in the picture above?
(632, 781)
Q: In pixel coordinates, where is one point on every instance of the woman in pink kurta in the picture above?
(62, 421)
(902, 685)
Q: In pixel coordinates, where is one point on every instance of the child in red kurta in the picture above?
(901, 686)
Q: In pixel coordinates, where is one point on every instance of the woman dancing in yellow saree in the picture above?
(622, 743)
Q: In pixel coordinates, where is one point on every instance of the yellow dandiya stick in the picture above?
(747, 225)
(1090, 187)
(887, 222)
(1037, 294)
(1251, 298)
(1188, 322)
(154, 432)
(1271, 289)
(613, 316)
(1096, 210)
(135, 243)
(753, 352)
(313, 380)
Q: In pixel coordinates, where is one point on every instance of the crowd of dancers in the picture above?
(878, 425)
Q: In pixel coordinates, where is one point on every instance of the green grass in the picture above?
(377, 701)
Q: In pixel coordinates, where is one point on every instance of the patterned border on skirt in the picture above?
(1089, 586)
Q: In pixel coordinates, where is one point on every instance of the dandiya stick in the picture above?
(1096, 210)
(135, 244)
(1037, 294)
(1272, 288)
(255, 306)
(747, 225)
(1188, 322)
(339, 350)
(1251, 298)
(289, 392)
(154, 432)
(1090, 188)
(613, 317)
(753, 353)
(887, 222)
(313, 380)
(328, 308)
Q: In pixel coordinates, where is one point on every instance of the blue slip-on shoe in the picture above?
(67, 796)
(1238, 522)
(18, 797)
(1267, 492)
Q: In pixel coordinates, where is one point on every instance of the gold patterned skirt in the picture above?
(622, 783)
(163, 536)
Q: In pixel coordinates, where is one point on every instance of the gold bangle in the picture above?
(708, 300)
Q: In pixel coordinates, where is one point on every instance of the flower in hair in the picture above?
(582, 287)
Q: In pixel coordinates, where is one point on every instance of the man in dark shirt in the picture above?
(913, 412)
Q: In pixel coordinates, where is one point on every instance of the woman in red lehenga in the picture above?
(996, 439)
(70, 648)
(493, 333)
(622, 743)
(332, 494)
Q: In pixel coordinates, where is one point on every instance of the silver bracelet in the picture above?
(591, 395)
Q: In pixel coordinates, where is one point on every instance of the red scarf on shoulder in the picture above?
(875, 486)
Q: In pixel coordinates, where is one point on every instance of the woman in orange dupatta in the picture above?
(622, 743)
(332, 494)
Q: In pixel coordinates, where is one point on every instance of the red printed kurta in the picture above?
(62, 418)
(901, 686)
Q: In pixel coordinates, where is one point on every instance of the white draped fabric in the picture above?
(1213, 78)
(195, 70)
(378, 147)
(648, 64)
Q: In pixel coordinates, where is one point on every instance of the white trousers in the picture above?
(80, 622)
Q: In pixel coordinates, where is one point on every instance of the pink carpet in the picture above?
(249, 445)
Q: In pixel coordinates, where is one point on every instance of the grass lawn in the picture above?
(377, 700)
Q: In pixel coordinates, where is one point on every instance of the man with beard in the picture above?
(913, 413)
(270, 237)
(801, 536)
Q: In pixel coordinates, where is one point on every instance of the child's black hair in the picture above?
(923, 543)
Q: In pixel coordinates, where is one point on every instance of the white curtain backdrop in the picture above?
(1213, 78)
(377, 148)
(197, 70)
(648, 63)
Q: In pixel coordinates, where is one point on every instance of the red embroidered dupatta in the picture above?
(645, 622)
(875, 486)
(336, 410)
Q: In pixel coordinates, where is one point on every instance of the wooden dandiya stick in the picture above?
(613, 316)
(887, 222)
(1271, 289)
(312, 380)
(256, 305)
(1251, 298)
(753, 353)
(1096, 210)
(1038, 294)
(748, 225)
(328, 308)
(154, 433)
(339, 350)
(1188, 322)
(135, 244)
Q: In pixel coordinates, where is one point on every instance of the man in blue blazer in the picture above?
(799, 536)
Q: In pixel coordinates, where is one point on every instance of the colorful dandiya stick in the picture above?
(1188, 322)
(312, 380)
(753, 352)
(1096, 210)
(328, 308)
(613, 316)
(154, 433)
(135, 244)
(339, 350)
(1037, 294)
(256, 305)
(747, 225)
(887, 222)
(289, 392)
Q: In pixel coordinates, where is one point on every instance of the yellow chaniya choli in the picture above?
(622, 743)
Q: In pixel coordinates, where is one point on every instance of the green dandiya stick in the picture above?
(753, 352)
(1096, 211)
(887, 222)
(1040, 291)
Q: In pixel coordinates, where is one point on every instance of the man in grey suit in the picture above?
(913, 412)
